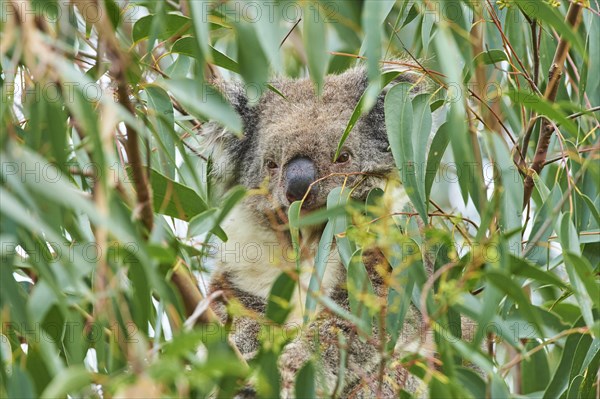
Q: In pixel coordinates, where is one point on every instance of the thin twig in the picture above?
(581, 151)
(290, 32)
(587, 111)
(519, 358)
(536, 49)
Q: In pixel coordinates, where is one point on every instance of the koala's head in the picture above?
(290, 141)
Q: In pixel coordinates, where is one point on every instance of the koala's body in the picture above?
(287, 154)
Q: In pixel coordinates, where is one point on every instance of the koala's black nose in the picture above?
(299, 175)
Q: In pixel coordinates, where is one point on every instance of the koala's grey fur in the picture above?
(278, 129)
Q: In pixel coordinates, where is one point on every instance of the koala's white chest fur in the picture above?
(255, 256)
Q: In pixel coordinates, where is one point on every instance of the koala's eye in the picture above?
(343, 158)
(271, 165)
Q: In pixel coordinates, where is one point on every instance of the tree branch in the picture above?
(184, 282)
(573, 19)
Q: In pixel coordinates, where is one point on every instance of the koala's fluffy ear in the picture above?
(224, 147)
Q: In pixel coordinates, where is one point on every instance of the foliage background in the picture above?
(102, 166)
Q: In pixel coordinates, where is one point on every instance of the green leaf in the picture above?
(294, 218)
(359, 287)
(305, 382)
(268, 375)
(162, 117)
(401, 289)
(70, 380)
(542, 11)
(508, 286)
(399, 124)
(462, 147)
(359, 108)
(436, 152)
(521, 267)
(490, 57)
(588, 387)
(203, 100)
(420, 138)
(202, 222)
(172, 24)
(542, 106)
(537, 250)
(471, 381)
(373, 15)
(254, 65)
(19, 384)
(587, 277)
(335, 198)
(535, 372)
(499, 390)
(321, 258)
(315, 40)
(320, 216)
(270, 33)
(174, 199)
(560, 378)
(186, 46)
(570, 243)
(511, 192)
(278, 303)
(199, 10)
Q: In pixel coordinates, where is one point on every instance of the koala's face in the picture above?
(289, 143)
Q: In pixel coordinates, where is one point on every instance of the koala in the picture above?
(286, 154)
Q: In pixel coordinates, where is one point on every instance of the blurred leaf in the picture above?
(19, 384)
(203, 100)
(520, 267)
(535, 373)
(462, 147)
(186, 45)
(551, 110)
(358, 111)
(252, 61)
(199, 11)
(499, 389)
(560, 377)
(305, 382)
(512, 190)
(374, 13)
(490, 57)
(172, 24)
(278, 304)
(268, 376)
(586, 275)
(335, 198)
(359, 288)
(471, 381)
(72, 379)
(509, 287)
(544, 12)
(321, 258)
(315, 40)
(399, 300)
(203, 222)
(319, 216)
(570, 243)
(174, 199)
(163, 121)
